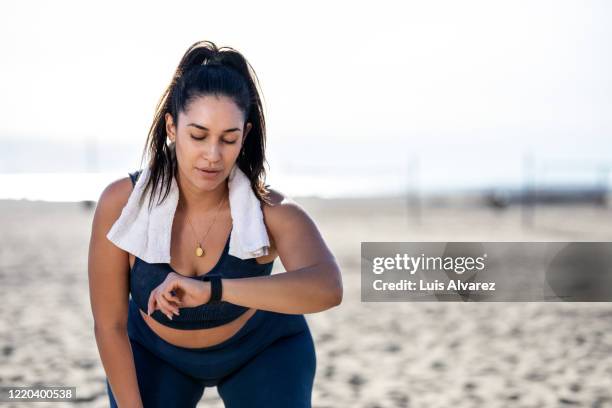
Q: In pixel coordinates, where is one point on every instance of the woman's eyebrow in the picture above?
(205, 128)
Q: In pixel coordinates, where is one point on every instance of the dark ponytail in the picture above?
(208, 70)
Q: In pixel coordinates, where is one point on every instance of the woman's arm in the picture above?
(108, 269)
(313, 281)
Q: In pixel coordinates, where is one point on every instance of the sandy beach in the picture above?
(369, 355)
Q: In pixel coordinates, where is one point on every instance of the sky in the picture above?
(358, 84)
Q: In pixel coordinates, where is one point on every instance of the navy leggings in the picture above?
(270, 362)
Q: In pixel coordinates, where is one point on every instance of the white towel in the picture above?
(147, 234)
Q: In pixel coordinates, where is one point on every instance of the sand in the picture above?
(368, 354)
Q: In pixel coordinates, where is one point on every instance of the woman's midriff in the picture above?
(200, 337)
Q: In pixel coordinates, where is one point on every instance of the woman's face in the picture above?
(209, 136)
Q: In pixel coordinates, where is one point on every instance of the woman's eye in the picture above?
(202, 138)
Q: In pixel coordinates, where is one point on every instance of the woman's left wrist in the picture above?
(223, 281)
(216, 289)
(204, 292)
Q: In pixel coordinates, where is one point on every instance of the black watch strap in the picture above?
(216, 289)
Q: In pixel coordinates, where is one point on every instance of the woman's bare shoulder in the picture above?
(277, 198)
(282, 212)
(279, 204)
(298, 241)
(113, 198)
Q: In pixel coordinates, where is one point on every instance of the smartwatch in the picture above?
(216, 290)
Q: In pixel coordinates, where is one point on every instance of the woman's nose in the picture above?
(212, 153)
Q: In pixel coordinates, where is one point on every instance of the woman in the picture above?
(242, 330)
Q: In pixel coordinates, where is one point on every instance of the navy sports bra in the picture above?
(144, 277)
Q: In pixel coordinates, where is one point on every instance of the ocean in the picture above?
(69, 171)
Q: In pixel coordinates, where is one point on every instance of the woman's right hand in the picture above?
(178, 291)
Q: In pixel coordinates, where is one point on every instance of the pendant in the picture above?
(199, 251)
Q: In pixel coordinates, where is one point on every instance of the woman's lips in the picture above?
(208, 174)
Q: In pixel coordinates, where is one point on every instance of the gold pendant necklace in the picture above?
(199, 252)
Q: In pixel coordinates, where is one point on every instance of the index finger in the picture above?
(151, 303)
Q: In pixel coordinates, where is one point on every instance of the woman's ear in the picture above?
(247, 129)
(170, 127)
